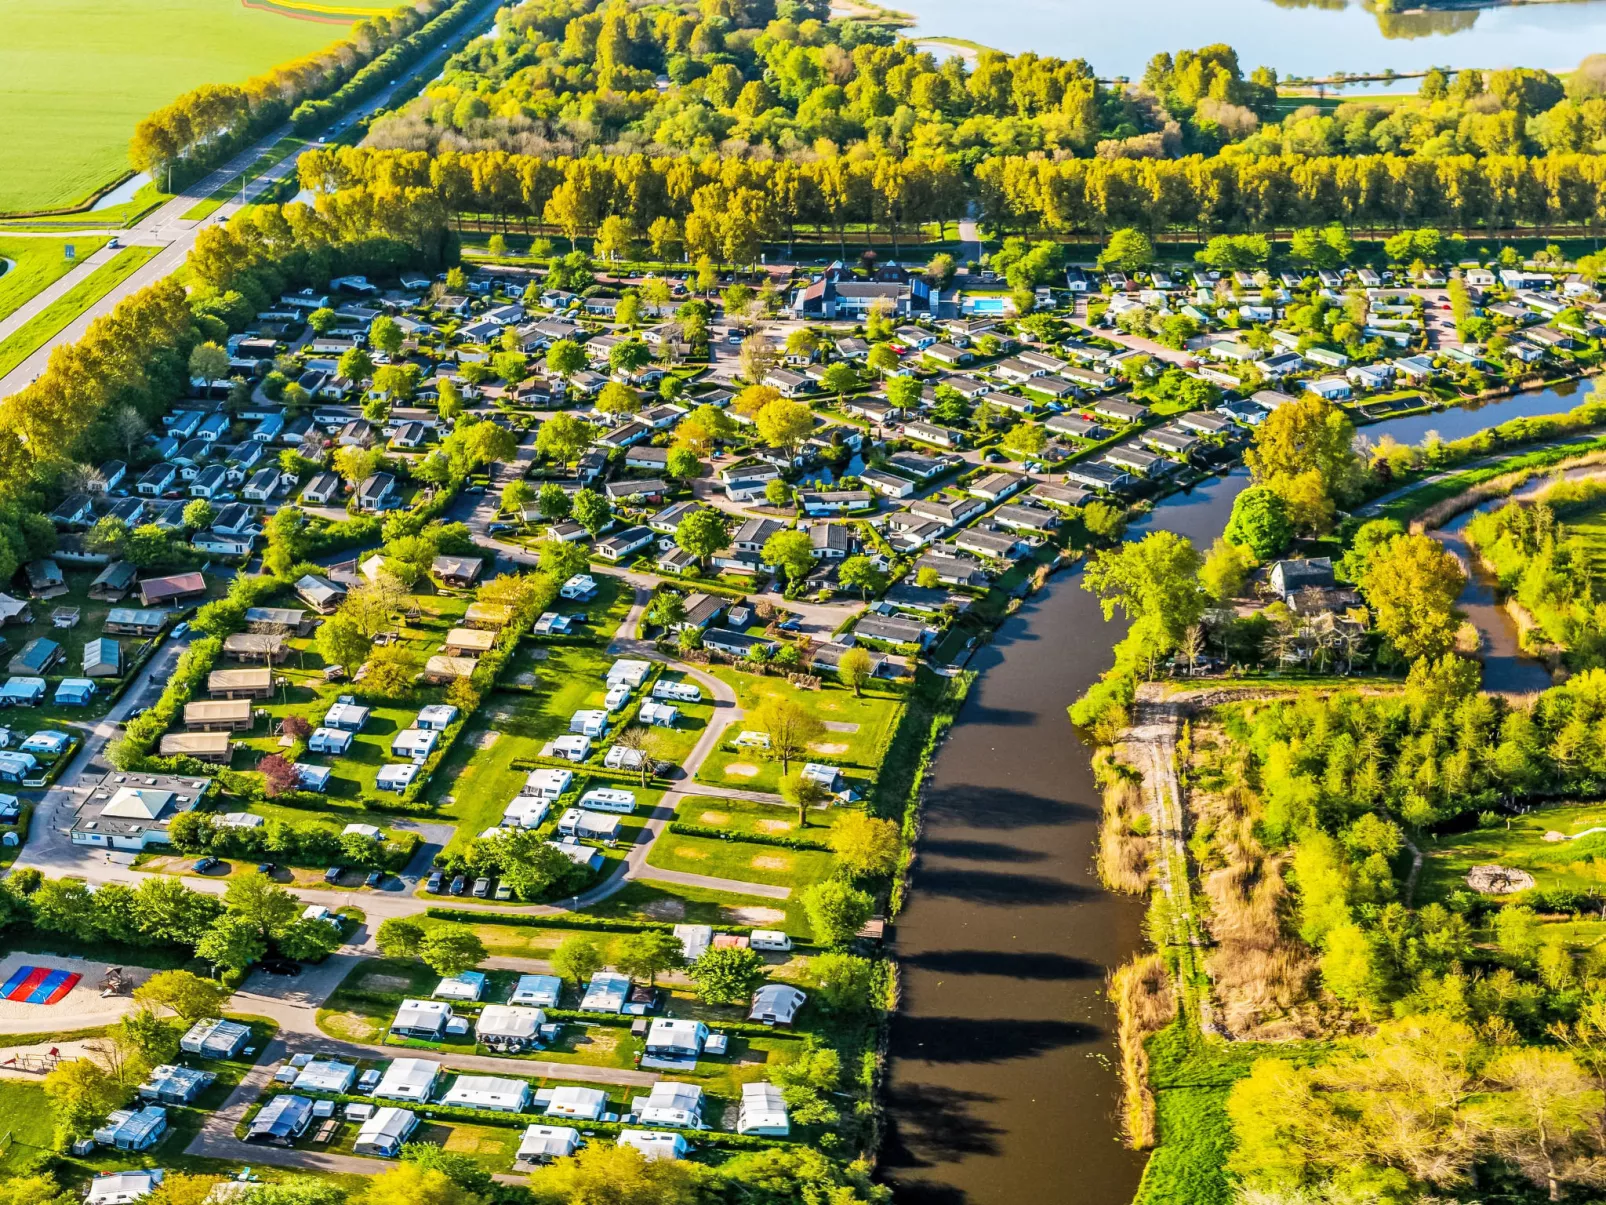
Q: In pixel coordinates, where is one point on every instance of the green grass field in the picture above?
(1578, 863)
(49, 322)
(743, 861)
(77, 75)
(35, 263)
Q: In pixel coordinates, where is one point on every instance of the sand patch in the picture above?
(486, 739)
(599, 1040)
(81, 1008)
(386, 983)
(350, 1026)
(750, 915)
(690, 854)
(829, 747)
(741, 769)
(715, 818)
(770, 862)
(841, 726)
(665, 909)
(773, 826)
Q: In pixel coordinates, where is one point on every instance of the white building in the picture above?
(325, 1075)
(606, 993)
(542, 1143)
(383, 1133)
(763, 1111)
(424, 1019)
(582, 1104)
(655, 1144)
(775, 1004)
(509, 1026)
(541, 991)
(671, 1104)
(525, 811)
(408, 1079)
(488, 1092)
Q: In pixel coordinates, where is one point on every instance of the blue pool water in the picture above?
(984, 305)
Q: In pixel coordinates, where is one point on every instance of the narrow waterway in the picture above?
(1002, 1085)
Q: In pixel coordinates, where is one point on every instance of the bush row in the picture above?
(720, 834)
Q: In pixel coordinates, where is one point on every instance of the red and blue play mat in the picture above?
(38, 985)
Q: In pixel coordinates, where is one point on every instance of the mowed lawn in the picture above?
(35, 263)
(1578, 863)
(76, 76)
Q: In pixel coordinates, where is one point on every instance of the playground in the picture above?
(48, 993)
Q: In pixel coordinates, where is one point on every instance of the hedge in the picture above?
(720, 834)
(606, 1129)
(560, 921)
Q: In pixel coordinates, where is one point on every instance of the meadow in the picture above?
(35, 263)
(48, 322)
(77, 75)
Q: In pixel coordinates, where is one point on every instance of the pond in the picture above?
(1315, 38)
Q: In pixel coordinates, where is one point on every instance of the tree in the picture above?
(614, 238)
(904, 393)
(356, 365)
(1025, 440)
(341, 641)
(1260, 522)
(233, 942)
(856, 668)
(1412, 585)
(308, 939)
(81, 1093)
(862, 574)
(600, 1174)
(578, 957)
(563, 437)
(753, 399)
(702, 533)
(840, 378)
(562, 560)
(1127, 249)
(1104, 522)
(411, 1184)
(1543, 1119)
(1225, 569)
(1307, 436)
(844, 981)
(668, 610)
(727, 975)
(1155, 582)
(279, 775)
(208, 363)
(776, 492)
(198, 514)
(755, 358)
(258, 900)
(940, 271)
(592, 511)
(144, 1038)
(356, 464)
(399, 937)
(386, 336)
(803, 794)
(785, 424)
(791, 551)
(565, 358)
(183, 993)
(618, 399)
(322, 320)
(451, 949)
(836, 911)
(647, 955)
(864, 846)
(553, 502)
(682, 464)
(882, 359)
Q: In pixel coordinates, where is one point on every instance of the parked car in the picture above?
(206, 865)
(459, 885)
(266, 867)
(482, 888)
(374, 879)
(332, 875)
(435, 882)
(504, 892)
(181, 629)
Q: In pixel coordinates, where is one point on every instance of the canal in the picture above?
(1001, 1083)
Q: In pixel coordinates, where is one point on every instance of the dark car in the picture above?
(435, 882)
(459, 885)
(281, 966)
(375, 878)
(266, 867)
(206, 865)
(332, 875)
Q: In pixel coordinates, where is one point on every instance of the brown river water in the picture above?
(1002, 1084)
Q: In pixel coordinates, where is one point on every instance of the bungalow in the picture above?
(1171, 441)
(931, 433)
(1202, 422)
(109, 478)
(1126, 412)
(103, 658)
(329, 740)
(320, 489)
(45, 579)
(1371, 376)
(209, 481)
(495, 616)
(889, 484)
(835, 502)
(1097, 476)
(319, 593)
(1010, 401)
(226, 715)
(655, 460)
(76, 511)
(379, 493)
(625, 436)
(949, 513)
(129, 621)
(1135, 460)
(411, 1079)
(458, 571)
(384, 1131)
(1017, 370)
(622, 544)
(947, 353)
(991, 544)
(1331, 388)
(36, 657)
(745, 480)
(1025, 518)
(441, 670)
(469, 642)
(74, 692)
(890, 630)
(346, 714)
(215, 747)
(1327, 356)
(995, 487)
(1076, 425)
(734, 644)
(831, 541)
(652, 490)
(953, 570)
(606, 993)
(1287, 577)
(253, 647)
(790, 384)
(255, 683)
(157, 480)
(1089, 378)
(174, 588)
(396, 778)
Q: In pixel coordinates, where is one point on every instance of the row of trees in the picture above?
(207, 124)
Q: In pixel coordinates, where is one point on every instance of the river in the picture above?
(1001, 1083)
(1312, 39)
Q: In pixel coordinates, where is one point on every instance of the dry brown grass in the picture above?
(1144, 1005)
(1123, 857)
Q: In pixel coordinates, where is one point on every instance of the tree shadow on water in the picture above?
(979, 851)
(1000, 808)
(1014, 964)
(956, 1040)
(931, 1124)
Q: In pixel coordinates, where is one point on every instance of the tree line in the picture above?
(208, 124)
(728, 209)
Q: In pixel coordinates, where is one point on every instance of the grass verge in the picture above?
(50, 321)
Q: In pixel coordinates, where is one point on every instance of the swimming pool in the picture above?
(985, 305)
